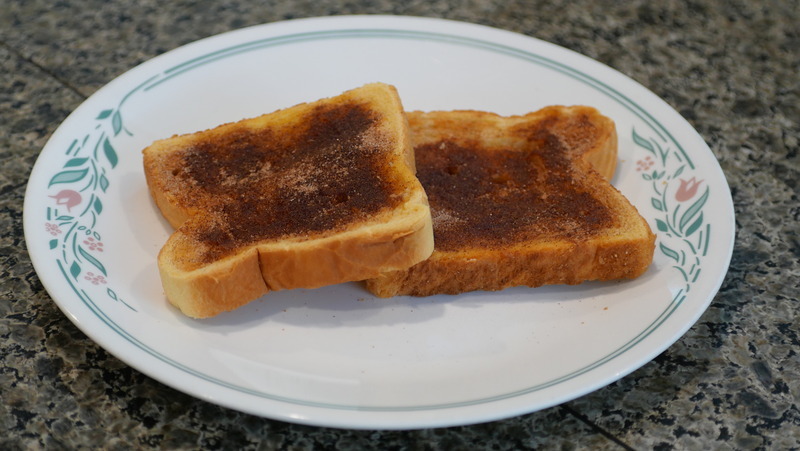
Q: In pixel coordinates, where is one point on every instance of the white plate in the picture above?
(338, 356)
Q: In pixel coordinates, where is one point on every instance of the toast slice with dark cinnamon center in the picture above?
(521, 200)
(316, 194)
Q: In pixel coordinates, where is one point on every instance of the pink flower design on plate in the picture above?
(67, 197)
(644, 164)
(687, 190)
(52, 229)
(93, 244)
(96, 279)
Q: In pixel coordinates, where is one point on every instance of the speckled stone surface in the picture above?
(732, 382)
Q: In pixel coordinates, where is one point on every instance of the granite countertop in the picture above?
(731, 382)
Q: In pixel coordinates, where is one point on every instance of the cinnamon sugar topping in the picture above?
(316, 175)
(484, 196)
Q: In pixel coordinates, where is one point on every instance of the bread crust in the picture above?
(394, 236)
(624, 250)
(568, 264)
(355, 255)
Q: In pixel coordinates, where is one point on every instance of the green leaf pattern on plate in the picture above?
(77, 201)
(72, 214)
(678, 198)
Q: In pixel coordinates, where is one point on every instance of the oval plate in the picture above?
(337, 356)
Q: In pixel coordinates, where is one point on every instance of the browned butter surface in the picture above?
(320, 174)
(490, 196)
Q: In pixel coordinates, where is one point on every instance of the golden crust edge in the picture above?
(556, 263)
(351, 256)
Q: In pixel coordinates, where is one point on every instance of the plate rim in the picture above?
(333, 21)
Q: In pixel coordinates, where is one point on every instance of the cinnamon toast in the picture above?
(521, 200)
(312, 195)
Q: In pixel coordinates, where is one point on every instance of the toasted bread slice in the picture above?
(516, 201)
(312, 195)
